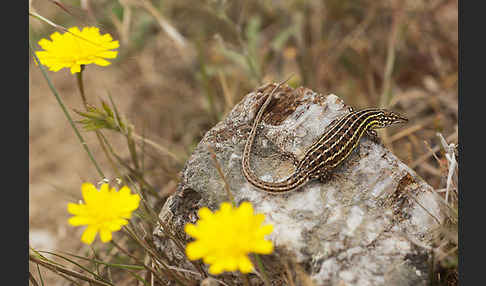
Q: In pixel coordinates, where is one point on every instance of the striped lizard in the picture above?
(326, 153)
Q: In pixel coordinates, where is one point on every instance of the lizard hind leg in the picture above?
(291, 157)
(323, 175)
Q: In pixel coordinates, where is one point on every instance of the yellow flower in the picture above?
(105, 210)
(226, 237)
(76, 48)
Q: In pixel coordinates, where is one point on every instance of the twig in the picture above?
(160, 148)
(263, 274)
(221, 174)
(433, 154)
(424, 208)
(426, 156)
(451, 158)
(245, 280)
(123, 26)
(32, 279)
(36, 15)
(183, 47)
(164, 24)
(228, 98)
(290, 280)
(127, 17)
(172, 275)
(432, 170)
(137, 260)
(58, 269)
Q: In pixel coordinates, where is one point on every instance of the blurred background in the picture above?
(182, 65)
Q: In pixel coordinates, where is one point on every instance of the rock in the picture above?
(370, 224)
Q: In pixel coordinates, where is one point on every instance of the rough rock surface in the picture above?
(370, 224)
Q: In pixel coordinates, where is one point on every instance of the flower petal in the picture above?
(76, 209)
(225, 237)
(105, 235)
(225, 207)
(263, 247)
(124, 191)
(230, 263)
(245, 265)
(105, 188)
(108, 54)
(80, 220)
(194, 251)
(191, 229)
(105, 210)
(245, 209)
(204, 213)
(216, 268)
(74, 30)
(266, 229)
(89, 192)
(77, 47)
(89, 234)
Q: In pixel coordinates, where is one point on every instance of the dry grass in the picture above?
(184, 64)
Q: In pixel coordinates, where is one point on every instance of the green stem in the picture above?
(79, 77)
(104, 144)
(64, 109)
(262, 270)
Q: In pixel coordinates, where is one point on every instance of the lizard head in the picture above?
(387, 118)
